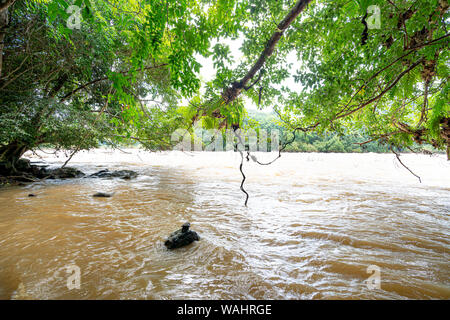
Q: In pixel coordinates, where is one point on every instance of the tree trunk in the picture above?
(445, 133)
(4, 20)
(3, 25)
(9, 155)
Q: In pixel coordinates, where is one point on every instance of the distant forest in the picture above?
(327, 142)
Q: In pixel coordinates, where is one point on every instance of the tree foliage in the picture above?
(125, 74)
(392, 85)
(119, 77)
(389, 82)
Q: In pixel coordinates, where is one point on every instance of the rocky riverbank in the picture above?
(25, 172)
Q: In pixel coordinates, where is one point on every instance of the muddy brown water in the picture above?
(313, 225)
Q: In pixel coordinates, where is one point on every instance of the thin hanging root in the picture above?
(279, 151)
(256, 160)
(241, 166)
(397, 155)
(243, 178)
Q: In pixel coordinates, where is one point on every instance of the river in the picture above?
(314, 225)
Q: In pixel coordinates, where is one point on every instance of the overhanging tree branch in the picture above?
(413, 49)
(67, 96)
(231, 93)
(397, 155)
(385, 90)
(377, 138)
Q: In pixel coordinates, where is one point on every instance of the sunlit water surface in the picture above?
(313, 225)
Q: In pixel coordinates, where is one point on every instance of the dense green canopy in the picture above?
(127, 71)
(394, 85)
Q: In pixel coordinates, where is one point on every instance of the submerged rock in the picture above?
(182, 237)
(59, 173)
(102, 195)
(65, 173)
(123, 174)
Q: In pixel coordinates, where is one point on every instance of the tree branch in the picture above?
(105, 78)
(377, 138)
(413, 49)
(397, 155)
(231, 93)
(386, 89)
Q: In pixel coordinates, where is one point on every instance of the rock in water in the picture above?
(102, 195)
(60, 173)
(182, 237)
(123, 174)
